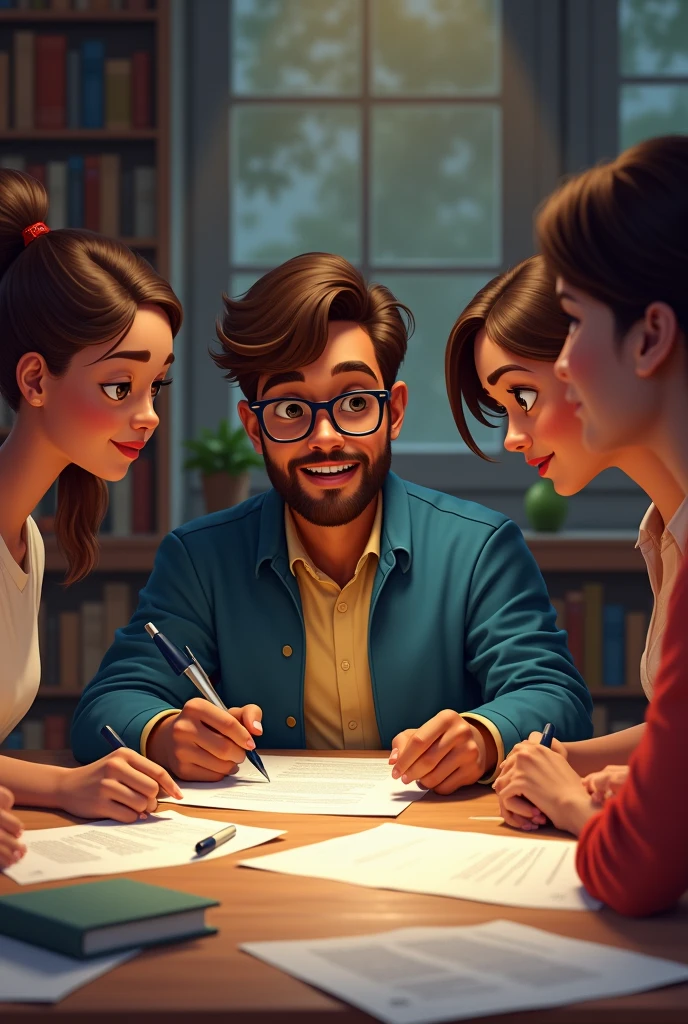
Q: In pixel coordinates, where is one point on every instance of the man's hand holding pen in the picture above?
(204, 743)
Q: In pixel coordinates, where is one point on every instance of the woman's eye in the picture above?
(289, 410)
(158, 384)
(526, 397)
(355, 403)
(117, 392)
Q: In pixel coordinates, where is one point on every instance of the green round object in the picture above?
(546, 510)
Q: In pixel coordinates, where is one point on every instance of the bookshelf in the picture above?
(133, 130)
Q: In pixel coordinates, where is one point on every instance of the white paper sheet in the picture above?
(110, 847)
(309, 785)
(421, 975)
(29, 974)
(469, 865)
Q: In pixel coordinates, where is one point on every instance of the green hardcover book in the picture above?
(101, 917)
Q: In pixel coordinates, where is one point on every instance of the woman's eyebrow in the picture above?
(496, 374)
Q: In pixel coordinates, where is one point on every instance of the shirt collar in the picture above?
(297, 552)
(652, 527)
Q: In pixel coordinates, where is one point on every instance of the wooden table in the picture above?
(211, 980)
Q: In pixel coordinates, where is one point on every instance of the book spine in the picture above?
(92, 646)
(69, 650)
(4, 90)
(92, 59)
(60, 5)
(109, 194)
(51, 81)
(37, 171)
(118, 94)
(141, 90)
(56, 174)
(592, 601)
(15, 161)
(142, 505)
(32, 734)
(55, 732)
(138, 6)
(117, 602)
(144, 202)
(636, 636)
(75, 194)
(92, 193)
(121, 506)
(613, 668)
(573, 603)
(23, 80)
(73, 89)
(600, 725)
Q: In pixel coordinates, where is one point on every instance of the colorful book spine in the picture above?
(573, 604)
(593, 596)
(55, 732)
(109, 194)
(92, 193)
(141, 110)
(24, 78)
(636, 624)
(56, 181)
(74, 89)
(37, 171)
(92, 645)
(75, 192)
(118, 94)
(613, 643)
(92, 97)
(144, 202)
(51, 81)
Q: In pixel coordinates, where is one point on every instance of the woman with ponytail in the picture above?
(616, 240)
(86, 329)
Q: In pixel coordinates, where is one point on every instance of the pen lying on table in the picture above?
(184, 663)
(206, 845)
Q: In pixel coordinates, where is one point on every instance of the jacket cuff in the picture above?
(496, 736)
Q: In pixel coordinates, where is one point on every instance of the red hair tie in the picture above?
(33, 231)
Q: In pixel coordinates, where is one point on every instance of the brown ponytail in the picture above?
(67, 289)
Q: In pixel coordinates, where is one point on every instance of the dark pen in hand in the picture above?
(184, 663)
(547, 735)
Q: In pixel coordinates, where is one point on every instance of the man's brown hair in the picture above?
(519, 311)
(281, 322)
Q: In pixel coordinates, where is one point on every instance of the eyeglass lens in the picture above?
(290, 418)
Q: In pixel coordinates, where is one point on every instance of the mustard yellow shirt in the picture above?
(339, 713)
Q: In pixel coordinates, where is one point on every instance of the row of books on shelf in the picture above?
(96, 193)
(51, 732)
(86, 6)
(73, 641)
(606, 720)
(606, 639)
(48, 84)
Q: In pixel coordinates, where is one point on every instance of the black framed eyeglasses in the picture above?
(292, 419)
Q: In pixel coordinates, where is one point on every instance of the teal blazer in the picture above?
(459, 618)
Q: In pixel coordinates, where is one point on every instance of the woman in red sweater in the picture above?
(616, 237)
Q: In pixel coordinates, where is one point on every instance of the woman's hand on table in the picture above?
(11, 847)
(608, 782)
(536, 782)
(123, 786)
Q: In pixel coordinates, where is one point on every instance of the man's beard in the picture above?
(330, 509)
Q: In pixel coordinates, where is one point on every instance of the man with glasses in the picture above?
(343, 608)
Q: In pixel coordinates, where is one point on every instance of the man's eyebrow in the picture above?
(496, 374)
(353, 366)
(286, 377)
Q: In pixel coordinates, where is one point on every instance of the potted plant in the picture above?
(224, 458)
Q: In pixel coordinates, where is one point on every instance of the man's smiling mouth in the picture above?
(327, 470)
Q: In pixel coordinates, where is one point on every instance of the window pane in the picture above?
(435, 47)
(653, 37)
(436, 188)
(649, 110)
(295, 182)
(435, 301)
(296, 47)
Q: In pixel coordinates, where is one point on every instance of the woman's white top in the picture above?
(663, 548)
(20, 599)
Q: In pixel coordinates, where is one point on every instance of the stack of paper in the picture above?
(469, 865)
(32, 975)
(421, 975)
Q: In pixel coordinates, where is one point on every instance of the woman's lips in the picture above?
(542, 468)
(130, 450)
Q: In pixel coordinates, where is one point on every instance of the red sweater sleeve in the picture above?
(633, 855)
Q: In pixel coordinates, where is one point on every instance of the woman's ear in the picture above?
(31, 373)
(654, 339)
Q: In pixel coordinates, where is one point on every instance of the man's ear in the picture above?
(31, 376)
(251, 425)
(397, 408)
(654, 339)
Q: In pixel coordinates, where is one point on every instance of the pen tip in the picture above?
(151, 629)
